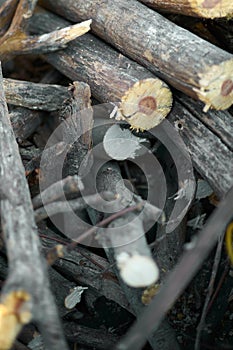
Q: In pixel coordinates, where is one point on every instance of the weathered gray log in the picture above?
(26, 294)
(144, 99)
(35, 96)
(208, 136)
(219, 123)
(184, 60)
(210, 155)
(179, 278)
(7, 8)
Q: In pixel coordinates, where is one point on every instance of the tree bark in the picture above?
(26, 294)
(184, 60)
(144, 100)
(195, 8)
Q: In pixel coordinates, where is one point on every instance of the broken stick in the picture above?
(184, 60)
(15, 41)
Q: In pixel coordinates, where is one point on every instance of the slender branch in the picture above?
(7, 10)
(71, 205)
(179, 277)
(210, 292)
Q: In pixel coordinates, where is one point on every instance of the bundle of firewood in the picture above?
(115, 147)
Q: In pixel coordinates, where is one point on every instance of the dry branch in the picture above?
(26, 294)
(69, 185)
(124, 237)
(35, 96)
(24, 122)
(211, 156)
(15, 40)
(188, 265)
(184, 60)
(196, 8)
(7, 9)
(144, 100)
(86, 268)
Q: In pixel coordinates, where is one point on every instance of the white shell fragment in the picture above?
(121, 144)
(74, 297)
(137, 270)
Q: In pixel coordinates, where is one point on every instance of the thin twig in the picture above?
(209, 292)
(71, 205)
(55, 253)
(179, 277)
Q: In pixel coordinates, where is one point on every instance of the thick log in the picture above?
(144, 99)
(184, 60)
(26, 294)
(208, 136)
(196, 8)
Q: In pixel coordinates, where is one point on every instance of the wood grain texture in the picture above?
(196, 8)
(36, 96)
(208, 136)
(185, 61)
(144, 99)
(26, 292)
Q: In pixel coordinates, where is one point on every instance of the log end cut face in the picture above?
(14, 314)
(216, 86)
(145, 104)
(212, 8)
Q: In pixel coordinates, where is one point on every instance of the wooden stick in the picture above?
(184, 60)
(196, 8)
(35, 96)
(179, 278)
(211, 157)
(86, 268)
(26, 292)
(108, 178)
(15, 41)
(144, 100)
(7, 8)
(24, 122)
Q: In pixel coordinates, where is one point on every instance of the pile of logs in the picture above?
(150, 69)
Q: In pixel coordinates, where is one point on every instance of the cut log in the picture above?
(196, 8)
(144, 100)
(184, 60)
(15, 41)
